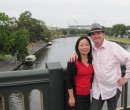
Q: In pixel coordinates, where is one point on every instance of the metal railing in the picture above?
(50, 82)
(124, 94)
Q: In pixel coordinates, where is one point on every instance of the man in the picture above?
(107, 57)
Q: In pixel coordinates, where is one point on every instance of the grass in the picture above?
(3, 57)
(123, 40)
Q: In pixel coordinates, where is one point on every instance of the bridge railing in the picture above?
(50, 82)
(124, 94)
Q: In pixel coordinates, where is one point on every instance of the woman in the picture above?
(79, 76)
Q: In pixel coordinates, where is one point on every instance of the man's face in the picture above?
(97, 37)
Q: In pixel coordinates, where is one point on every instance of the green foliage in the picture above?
(108, 31)
(4, 34)
(3, 57)
(4, 19)
(15, 34)
(19, 44)
(129, 36)
(119, 29)
(36, 28)
(24, 20)
(4, 41)
(128, 27)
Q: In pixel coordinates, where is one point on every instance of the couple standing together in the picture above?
(100, 63)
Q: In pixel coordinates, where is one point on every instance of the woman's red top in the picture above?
(83, 78)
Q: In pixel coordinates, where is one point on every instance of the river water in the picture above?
(59, 51)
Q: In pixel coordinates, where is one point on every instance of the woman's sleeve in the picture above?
(69, 75)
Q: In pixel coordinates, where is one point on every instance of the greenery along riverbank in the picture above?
(17, 34)
(32, 48)
(117, 39)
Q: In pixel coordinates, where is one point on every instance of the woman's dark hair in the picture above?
(78, 53)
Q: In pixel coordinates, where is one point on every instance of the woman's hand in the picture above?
(73, 57)
(71, 102)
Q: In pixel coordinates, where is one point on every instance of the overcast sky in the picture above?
(62, 13)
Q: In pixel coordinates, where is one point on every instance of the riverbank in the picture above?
(10, 64)
(117, 39)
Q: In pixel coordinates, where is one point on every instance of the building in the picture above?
(87, 27)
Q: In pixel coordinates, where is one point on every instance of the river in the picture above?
(59, 51)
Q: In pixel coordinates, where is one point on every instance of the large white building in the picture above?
(87, 27)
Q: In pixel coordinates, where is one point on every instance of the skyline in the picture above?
(62, 13)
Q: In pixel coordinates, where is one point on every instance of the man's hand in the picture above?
(73, 57)
(122, 81)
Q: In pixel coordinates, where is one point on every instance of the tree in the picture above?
(13, 24)
(20, 41)
(24, 20)
(15, 35)
(119, 29)
(128, 27)
(4, 42)
(108, 31)
(4, 19)
(36, 28)
(4, 34)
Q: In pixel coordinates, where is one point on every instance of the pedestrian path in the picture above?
(9, 64)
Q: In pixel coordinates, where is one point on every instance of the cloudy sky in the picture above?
(62, 13)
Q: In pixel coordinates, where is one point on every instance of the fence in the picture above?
(50, 82)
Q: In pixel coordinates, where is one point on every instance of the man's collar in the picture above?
(104, 43)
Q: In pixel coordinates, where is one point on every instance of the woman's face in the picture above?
(84, 47)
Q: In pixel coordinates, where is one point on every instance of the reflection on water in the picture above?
(16, 101)
(59, 51)
(35, 100)
(27, 66)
